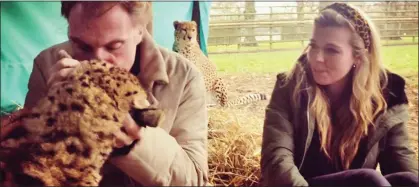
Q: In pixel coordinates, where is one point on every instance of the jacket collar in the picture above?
(151, 62)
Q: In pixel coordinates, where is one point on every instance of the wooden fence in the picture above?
(282, 30)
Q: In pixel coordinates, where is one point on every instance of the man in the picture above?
(176, 152)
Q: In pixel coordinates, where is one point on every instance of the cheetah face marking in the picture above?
(185, 32)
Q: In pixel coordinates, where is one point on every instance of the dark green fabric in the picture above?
(204, 7)
(26, 29)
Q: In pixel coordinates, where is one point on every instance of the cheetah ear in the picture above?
(148, 117)
(141, 103)
(139, 100)
(175, 24)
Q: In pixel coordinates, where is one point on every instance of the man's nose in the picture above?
(101, 54)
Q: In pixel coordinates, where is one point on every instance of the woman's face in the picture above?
(330, 54)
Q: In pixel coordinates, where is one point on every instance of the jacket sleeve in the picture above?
(277, 161)
(37, 87)
(398, 155)
(178, 158)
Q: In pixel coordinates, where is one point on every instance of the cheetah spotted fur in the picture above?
(187, 45)
(68, 136)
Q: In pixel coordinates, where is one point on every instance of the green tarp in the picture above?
(27, 28)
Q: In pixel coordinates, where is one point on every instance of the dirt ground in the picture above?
(250, 83)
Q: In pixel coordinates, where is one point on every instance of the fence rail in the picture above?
(248, 31)
(306, 13)
(294, 21)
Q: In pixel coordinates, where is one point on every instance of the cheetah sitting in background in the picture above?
(68, 136)
(187, 45)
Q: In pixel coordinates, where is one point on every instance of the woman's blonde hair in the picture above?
(363, 103)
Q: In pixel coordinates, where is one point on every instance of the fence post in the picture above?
(386, 23)
(398, 30)
(240, 30)
(270, 29)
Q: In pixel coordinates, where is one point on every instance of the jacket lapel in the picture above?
(304, 117)
(152, 67)
(152, 64)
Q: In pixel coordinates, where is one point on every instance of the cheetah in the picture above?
(68, 136)
(187, 45)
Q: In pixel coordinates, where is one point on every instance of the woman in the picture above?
(338, 113)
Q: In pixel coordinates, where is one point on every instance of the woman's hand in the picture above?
(6, 178)
(10, 122)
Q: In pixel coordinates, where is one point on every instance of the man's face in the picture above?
(111, 36)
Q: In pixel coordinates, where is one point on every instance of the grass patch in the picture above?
(400, 59)
(294, 45)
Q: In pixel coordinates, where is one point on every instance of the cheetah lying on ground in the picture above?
(187, 45)
(69, 135)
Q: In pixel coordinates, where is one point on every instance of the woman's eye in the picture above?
(331, 50)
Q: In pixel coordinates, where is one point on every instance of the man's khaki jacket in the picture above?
(174, 153)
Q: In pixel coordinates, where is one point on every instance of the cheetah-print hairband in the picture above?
(360, 24)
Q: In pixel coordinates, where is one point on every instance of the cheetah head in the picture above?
(185, 32)
(123, 88)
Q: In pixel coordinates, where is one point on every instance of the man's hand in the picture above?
(62, 68)
(129, 133)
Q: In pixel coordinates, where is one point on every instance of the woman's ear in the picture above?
(357, 60)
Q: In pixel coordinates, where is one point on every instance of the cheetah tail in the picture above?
(250, 98)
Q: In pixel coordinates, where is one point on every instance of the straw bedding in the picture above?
(234, 148)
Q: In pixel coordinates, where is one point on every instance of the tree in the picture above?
(220, 8)
(249, 9)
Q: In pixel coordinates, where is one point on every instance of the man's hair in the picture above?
(139, 10)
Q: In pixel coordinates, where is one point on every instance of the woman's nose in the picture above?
(319, 56)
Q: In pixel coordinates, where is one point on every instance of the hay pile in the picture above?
(234, 147)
